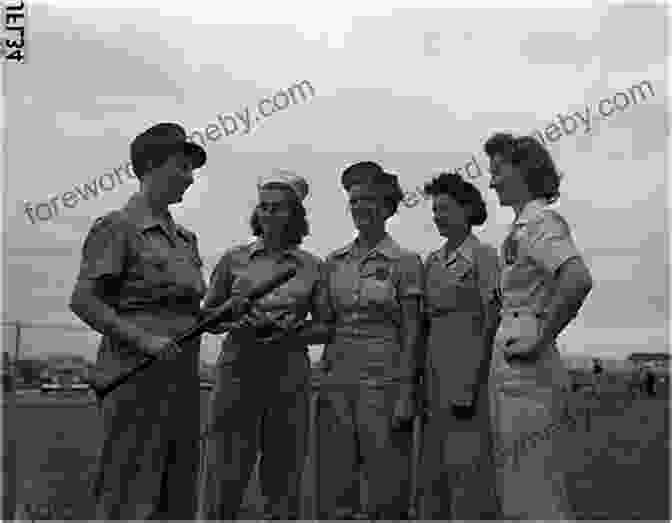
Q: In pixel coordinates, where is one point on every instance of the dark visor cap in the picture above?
(374, 176)
(161, 140)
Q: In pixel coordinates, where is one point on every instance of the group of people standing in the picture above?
(465, 339)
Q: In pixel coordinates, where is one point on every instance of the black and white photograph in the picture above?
(373, 260)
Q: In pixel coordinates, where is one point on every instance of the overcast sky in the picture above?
(416, 89)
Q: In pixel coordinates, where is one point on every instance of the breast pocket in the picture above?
(377, 287)
(153, 266)
(453, 288)
(187, 272)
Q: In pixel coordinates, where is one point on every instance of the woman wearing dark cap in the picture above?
(543, 285)
(260, 401)
(374, 291)
(139, 285)
(457, 471)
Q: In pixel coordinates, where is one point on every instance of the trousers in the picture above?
(148, 461)
(355, 430)
(256, 408)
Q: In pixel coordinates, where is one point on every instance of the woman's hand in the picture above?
(527, 355)
(160, 347)
(239, 305)
(291, 334)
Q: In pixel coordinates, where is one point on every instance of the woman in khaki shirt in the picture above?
(460, 308)
(260, 402)
(543, 284)
(374, 290)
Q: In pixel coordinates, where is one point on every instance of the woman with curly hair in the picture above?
(543, 285)
(260, 401)
(457, 474)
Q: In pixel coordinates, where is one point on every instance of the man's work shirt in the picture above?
(153, 274)
(459, 286)
(243, 267)
(364, 302)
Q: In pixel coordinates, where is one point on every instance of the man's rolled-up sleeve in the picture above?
(104, 250)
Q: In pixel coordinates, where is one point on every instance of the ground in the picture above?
(618, 457)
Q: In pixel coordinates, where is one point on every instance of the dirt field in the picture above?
(618, 456)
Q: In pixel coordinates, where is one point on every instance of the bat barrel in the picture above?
(101, 390)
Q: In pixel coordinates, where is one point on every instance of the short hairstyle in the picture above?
(539, 171)
(297, 228)
(463, 192)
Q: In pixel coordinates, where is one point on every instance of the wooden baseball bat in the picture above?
(102, 387)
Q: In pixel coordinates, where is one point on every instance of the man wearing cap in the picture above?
(140, 283)
(371, 365)
(260, 401)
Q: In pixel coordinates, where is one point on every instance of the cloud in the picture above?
(597, 34)
(98, 77)
(561, 48)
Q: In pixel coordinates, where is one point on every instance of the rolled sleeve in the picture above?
(551, 244)
(221, 280)
(411, 277)
(104, 250)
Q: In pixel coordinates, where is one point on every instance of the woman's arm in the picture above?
(489, 283)
(551, 246)
(411, 344)
(88, 304)
(219, 290)
(410, 291)
(573, 283)
(319, 330)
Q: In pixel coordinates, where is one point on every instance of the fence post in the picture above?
(315, 448)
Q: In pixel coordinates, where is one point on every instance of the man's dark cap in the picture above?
(372, 174)
(160, 141)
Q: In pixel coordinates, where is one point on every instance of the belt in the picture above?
(439, 313)
(245, 336)
(523, 312)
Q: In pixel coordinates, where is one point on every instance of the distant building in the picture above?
(66, 367)
(650, 359)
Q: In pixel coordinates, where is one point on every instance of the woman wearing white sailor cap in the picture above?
(260, 400)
